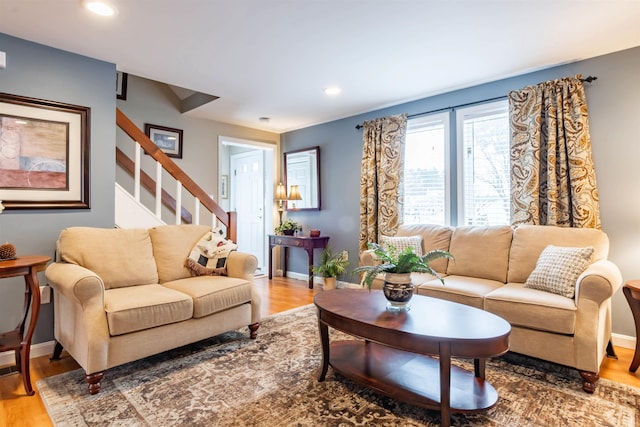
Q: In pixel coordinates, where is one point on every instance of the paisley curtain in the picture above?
(381, 177)
(553, 179)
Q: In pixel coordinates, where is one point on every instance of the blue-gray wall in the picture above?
(614, 107)
(39, 71)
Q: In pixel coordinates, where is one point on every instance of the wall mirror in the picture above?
(302, 168)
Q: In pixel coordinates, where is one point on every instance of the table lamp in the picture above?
(281, 196)
(294, 194)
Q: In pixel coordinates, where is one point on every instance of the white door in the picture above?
(247, 199)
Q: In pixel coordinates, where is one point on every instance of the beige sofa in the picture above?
(121, 295)
(490, 268)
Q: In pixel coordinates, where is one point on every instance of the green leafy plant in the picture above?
(287, 225)
(331, 265)
(393, 261)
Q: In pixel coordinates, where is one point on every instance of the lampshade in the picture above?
(294, 193)
(281, 192)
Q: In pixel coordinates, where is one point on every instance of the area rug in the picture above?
(231, 380)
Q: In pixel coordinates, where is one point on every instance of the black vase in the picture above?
(398, 290)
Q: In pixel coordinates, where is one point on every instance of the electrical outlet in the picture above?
(45, 294)
(3, 60)
(345, 255)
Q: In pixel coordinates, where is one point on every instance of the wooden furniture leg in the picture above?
(253, 328)
(57, 351)
(589, 381)
(94, 382)
(631, 291)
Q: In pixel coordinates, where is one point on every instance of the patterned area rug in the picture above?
(231, 380)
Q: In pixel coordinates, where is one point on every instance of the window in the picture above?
(479, 162)
(483, 152)
(426, 196)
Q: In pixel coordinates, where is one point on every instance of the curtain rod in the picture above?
(587, 79)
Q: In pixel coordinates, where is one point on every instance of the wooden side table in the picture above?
(17, 340)
(303, 242)
(631, 291)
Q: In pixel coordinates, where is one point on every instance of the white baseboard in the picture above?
(37, 350)
(624, 341)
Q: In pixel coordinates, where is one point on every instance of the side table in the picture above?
(631, 290)
(303, 242)
(17, 339)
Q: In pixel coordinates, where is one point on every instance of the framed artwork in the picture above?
(169, 140)
(44, 154)
(224, 187)
(121, 85)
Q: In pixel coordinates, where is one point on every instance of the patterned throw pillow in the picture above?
(209, 255)
(403, 242)
(558, 269)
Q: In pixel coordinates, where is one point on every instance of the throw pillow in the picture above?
(209, 255)
(403, 242)
(558, 269)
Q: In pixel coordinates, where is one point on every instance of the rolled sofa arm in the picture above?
(367, 258)
(242, 265)
(76, 283)
(599, 282)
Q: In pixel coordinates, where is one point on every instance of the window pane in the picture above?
(483, 143)
(425, 189)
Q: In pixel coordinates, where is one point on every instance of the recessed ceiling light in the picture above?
(101, 8)
(332, 90)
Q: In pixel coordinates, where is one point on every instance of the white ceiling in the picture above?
(274, 57)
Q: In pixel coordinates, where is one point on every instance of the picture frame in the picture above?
(44, 154)
(121, 85)
(224, 186)
(169, 140)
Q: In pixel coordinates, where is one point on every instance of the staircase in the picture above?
(132, 213)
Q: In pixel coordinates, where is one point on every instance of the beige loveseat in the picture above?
(124, 294)
(490, 268)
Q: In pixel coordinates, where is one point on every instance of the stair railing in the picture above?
(228, 219)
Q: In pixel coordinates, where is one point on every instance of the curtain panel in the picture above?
(553, 180)
(381, 177)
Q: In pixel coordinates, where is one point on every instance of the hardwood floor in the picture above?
(18, 410)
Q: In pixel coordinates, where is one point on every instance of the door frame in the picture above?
(271, 153)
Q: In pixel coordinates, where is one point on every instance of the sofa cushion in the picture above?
(480, 251)
(212, 294)
(142, 307)
(433, 237)
(121, 257)
(172, 245)
(530, 240)
(533, 309)
(558, 269)
(460, 289)
(403, 242)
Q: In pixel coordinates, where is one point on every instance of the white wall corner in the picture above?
(3, 60)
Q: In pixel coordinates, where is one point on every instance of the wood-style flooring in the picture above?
(279, 294)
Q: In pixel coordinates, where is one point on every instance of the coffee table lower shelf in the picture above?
(409, 377)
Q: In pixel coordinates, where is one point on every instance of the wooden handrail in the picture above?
(150, 184)
(229, 219)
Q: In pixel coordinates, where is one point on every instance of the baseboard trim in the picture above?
(624, 341)
(37, 350)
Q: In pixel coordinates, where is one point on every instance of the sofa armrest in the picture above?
(241, 265)
(368, 258)
(76, 283)
(598, 282)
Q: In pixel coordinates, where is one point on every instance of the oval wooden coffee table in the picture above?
(393, 356)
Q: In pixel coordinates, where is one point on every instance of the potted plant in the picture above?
(397, 267)
(288, 228)
(331, 266)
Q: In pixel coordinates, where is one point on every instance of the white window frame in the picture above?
(461, 114)
(414, 124)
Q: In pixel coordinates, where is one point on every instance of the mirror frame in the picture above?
(316, 149)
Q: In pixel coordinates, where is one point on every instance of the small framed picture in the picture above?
(224, 187)
(169, 140)
(121, 85)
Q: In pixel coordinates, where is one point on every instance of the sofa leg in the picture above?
(254, 330)
(57, 351)
(589, 381)
(611, 352)
(94, 382)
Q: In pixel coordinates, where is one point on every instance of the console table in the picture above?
(304, 242)
(631, 290)
(17, 340)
